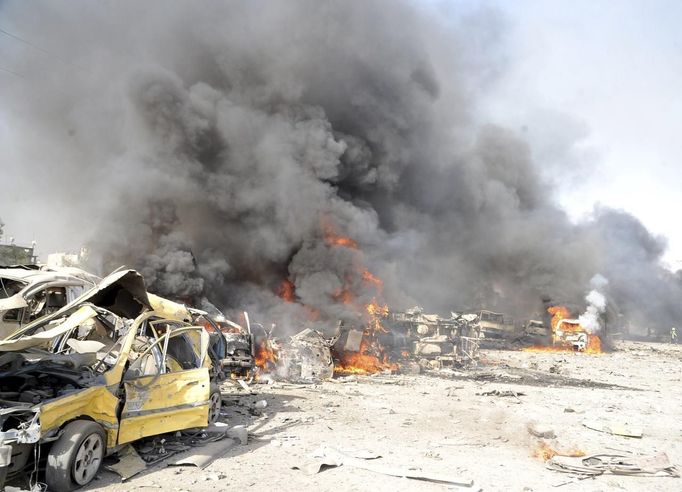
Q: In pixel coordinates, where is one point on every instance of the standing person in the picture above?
(673, 335)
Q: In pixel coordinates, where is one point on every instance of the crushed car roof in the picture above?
(123, 293)
(44, 273)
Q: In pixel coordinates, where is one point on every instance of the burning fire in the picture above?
(332, 238)
(287, 291)
(593, 345)
(563, 329)
(371, 279)
(265, 355)
(364, 361)
(545, 452)
(372, 356)
(354, 292)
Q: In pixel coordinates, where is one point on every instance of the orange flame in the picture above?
(265, 355)
(545, 452)
(344, 296)
(372, 356)
(368, 278)
(286, 290)
(369, 359)
(560, 313)
(333, 238)
(593, 345)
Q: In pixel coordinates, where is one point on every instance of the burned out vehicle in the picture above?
(30, 292)
(535, 332)
(496, 325)
(568, 332)
(231, 347)
(114, 366)
(430, 336)
(304, 357)
(535, 328)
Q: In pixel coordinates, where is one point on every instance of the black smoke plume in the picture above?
(210, 144)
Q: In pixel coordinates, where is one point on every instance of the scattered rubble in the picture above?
(616, 464)
(615, 428)
(56, 373)
(326, 457)
(540, 431)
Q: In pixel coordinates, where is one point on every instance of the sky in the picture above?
(591, 84)
(602, 77)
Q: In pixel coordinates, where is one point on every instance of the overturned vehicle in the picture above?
(113, 366)
(445, 341)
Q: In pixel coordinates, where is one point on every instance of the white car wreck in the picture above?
(27, 293)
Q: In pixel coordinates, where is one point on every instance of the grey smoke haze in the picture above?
(209, 145)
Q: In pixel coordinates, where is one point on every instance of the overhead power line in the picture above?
(12, 72)
(22, 40)
(36, 47)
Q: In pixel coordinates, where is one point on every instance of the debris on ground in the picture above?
(614, 428)
(617, 464)
(503, 393)
(129, 463)
(540, 431)
(326, 457)
(393, 381)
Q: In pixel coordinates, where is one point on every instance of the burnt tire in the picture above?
(75, 458)
(215, 404)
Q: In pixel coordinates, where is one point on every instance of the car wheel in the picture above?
(215, 404)
(76, 456)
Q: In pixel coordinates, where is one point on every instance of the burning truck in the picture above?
(566, 333)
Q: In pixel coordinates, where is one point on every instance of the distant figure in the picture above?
(673, 335)
(649, 332)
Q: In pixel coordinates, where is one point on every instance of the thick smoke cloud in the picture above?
(211, 146)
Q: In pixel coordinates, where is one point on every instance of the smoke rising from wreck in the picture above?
(209, 148)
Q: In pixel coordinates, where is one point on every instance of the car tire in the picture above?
(215, 404)
(75, 458)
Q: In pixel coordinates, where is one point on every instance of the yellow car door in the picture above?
(167, 387)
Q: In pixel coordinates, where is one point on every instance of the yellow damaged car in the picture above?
(115, 365)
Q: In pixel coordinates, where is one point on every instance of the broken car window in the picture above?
(13, 315)
(10, 287)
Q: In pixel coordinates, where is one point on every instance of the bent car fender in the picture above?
(96, 403)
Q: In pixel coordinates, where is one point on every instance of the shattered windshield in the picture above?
(10, 287)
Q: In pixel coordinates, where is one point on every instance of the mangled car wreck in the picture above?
(444, 341)
(303, 358)
(113, 366)
(29, 292)
(231, 346)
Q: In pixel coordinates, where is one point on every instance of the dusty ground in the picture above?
(443, 424)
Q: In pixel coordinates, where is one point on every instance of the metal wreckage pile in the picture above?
(114, 366)
(407, 342)
(91, 366)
